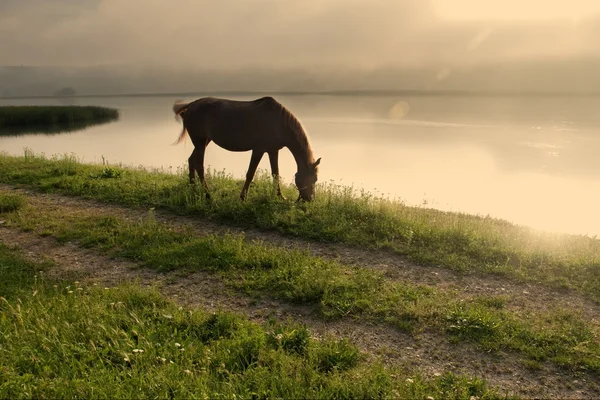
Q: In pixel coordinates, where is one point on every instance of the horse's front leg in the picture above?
(254, 161)
(274, 159)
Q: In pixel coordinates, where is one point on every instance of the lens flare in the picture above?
(399, 110)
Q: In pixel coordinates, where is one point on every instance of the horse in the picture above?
(263, 126)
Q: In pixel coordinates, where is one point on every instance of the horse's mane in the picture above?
(297, 129)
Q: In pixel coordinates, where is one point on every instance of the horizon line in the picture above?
(355, 92)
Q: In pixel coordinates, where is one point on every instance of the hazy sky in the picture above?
(238, 33)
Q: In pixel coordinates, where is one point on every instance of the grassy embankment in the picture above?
(16, 120)
(65, 340)
(455, 241)
(334, 290)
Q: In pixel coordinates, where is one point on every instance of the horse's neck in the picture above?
(302, 153)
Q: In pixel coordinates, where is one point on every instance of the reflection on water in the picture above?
(529, 160)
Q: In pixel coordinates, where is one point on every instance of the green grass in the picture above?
(450, 240)
(17, 273)
(16, 120)
(332, 289)
(11, 202)
(66, 340)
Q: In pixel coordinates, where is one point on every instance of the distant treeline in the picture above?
(49, 115)
(572, 75)
(52, 119)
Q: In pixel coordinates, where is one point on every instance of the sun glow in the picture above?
(515, 10)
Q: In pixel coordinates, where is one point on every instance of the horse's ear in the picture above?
(317, 162)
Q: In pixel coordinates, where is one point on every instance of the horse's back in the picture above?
(263, 102)
(239, 125)
(208, 104)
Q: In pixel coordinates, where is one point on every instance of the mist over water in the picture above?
(530, 160)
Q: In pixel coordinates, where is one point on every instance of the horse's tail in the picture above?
(179, 108)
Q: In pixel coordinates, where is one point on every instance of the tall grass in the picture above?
(16, 120)
(66, 340)
(450, 240)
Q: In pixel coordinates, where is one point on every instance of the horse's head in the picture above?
(306, 180)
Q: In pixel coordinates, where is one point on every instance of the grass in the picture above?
(11, 202)
(450, 240)
(334, 290)
(67, 340)
(16, 120)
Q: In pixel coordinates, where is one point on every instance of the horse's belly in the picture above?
(246, 143)
(233, 145)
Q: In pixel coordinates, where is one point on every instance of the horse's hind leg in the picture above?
(274, 159)
(196, 163)
(254, 161)
(192, 170)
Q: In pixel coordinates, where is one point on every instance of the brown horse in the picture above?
(263, 126)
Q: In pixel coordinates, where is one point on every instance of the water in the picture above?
(532, 161)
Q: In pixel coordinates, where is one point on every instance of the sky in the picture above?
(289, 33)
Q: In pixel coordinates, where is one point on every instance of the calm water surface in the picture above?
(533, 161)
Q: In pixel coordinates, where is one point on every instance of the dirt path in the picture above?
(428, 353)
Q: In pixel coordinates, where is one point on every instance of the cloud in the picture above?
(242, 33)
(228, 32)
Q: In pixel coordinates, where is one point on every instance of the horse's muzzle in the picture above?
(309, 199)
